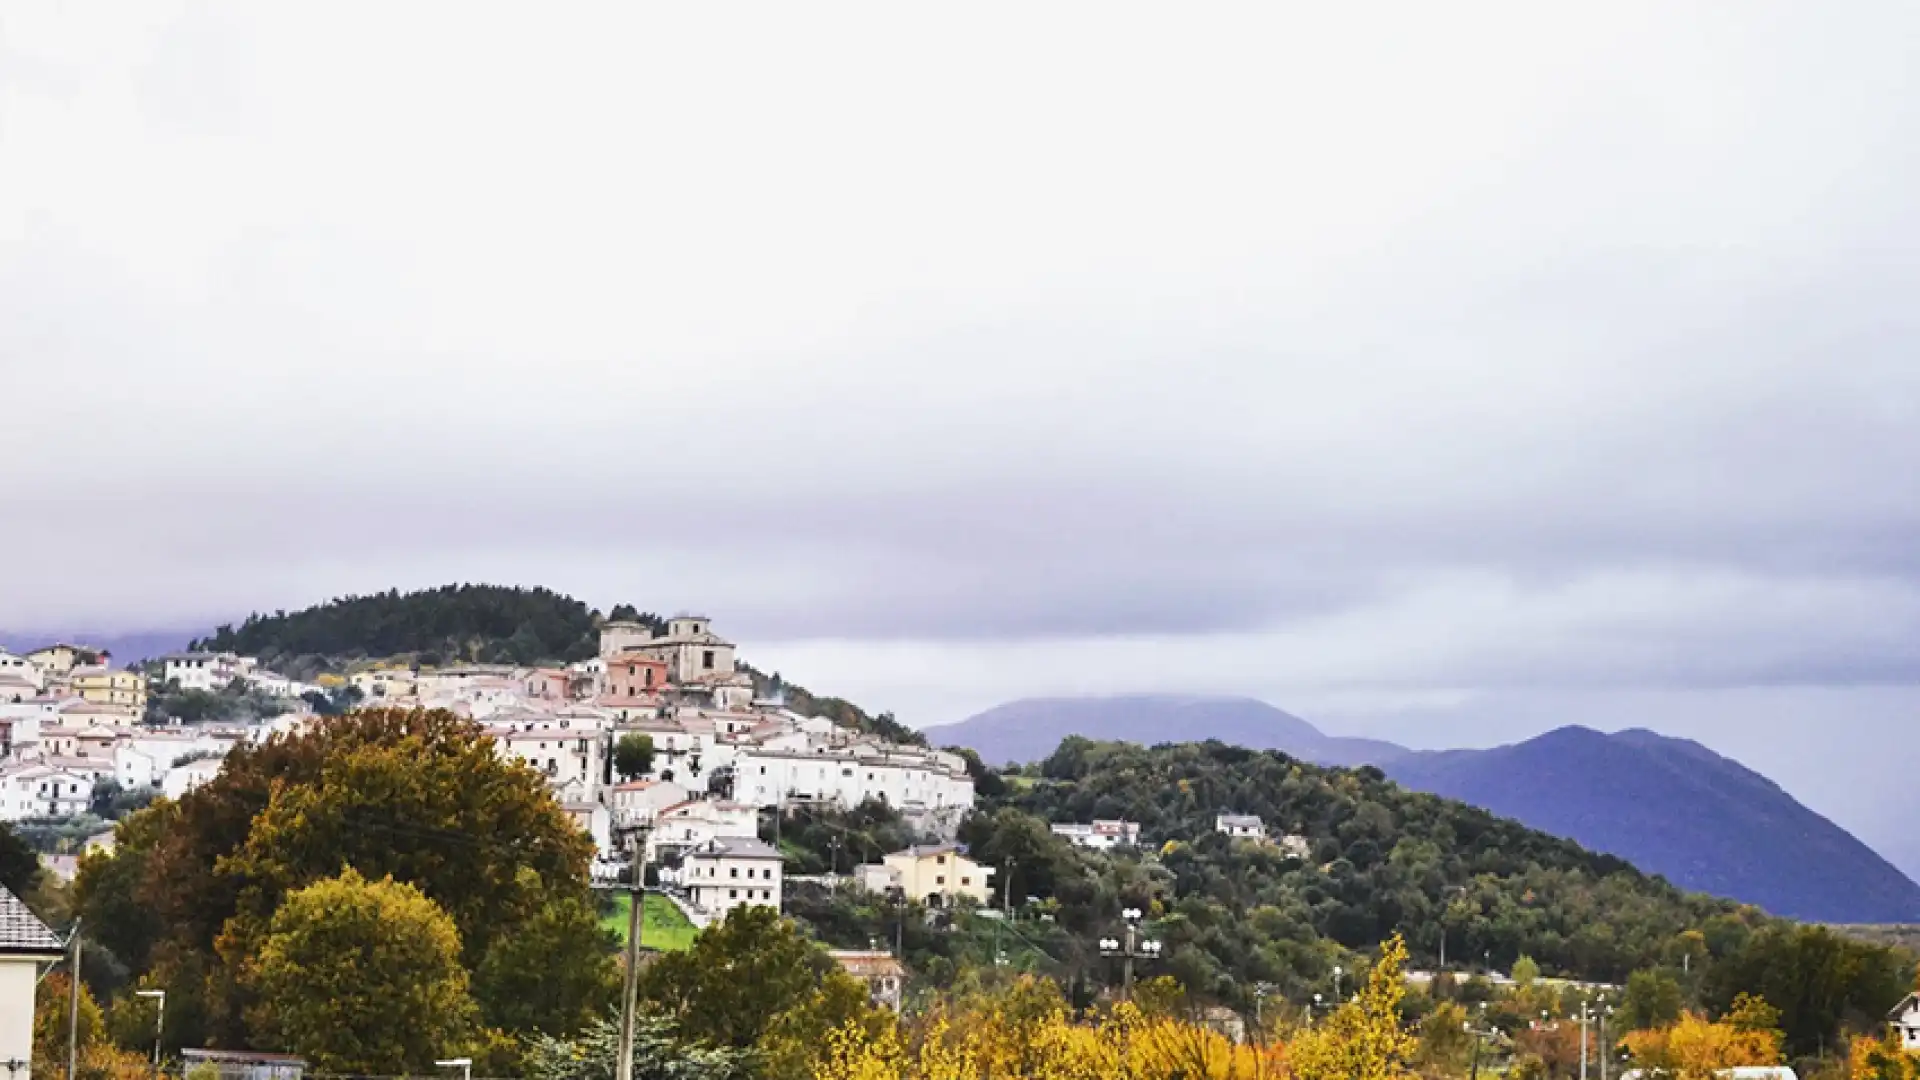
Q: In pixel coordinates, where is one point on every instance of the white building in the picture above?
(699, 821)
(731, 872)
(15, 664)
(1905, 1019)
(25, 944)
(204, 670)
(1241, 826)
(564, 757)
(15, 689)
(184, 778)
(594, 820)
(1100, 835)
(906, 778)
(635, 804)
(43, 790)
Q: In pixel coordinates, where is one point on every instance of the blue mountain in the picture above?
(1669, 806)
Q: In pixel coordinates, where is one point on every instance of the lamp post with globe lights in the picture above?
(1130, 948)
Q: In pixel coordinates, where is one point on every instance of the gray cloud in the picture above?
(1527, 356)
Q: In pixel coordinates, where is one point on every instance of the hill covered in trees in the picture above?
(450, 624)
(1237, 916)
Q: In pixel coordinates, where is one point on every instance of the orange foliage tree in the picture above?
(1694, 1048)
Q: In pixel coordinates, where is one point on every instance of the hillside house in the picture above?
(1100, 835)
(885, 976)
(633, 675)
(43, 790)
(936, 875)
(15, 666)
(1905, 1020)
(105, 686)
(696, 822)
(731, 872)
(636, 803)
(205, 670)
(60, 657)
(1241, 826)
(15, 689)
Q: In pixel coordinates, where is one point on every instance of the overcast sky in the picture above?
(1445, 375)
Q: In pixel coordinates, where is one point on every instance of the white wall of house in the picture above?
(766, 778)
(185, 778)
(17, 978)
(720, 883)
(39, 791)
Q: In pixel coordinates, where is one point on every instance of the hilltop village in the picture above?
(656, 747)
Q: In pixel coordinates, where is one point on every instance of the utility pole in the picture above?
(637, 891)
(1584, 1015)
(1606, 1050)
(73, 1009)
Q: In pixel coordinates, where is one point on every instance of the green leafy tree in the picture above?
(633, 755)
(1653, 999)
(19, 865)
(416, 795)
(1525, 972)
(1820, 982)
(361, 977)
(756, 981)
(553, 974)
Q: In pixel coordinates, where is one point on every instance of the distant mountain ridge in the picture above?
(1675, 808)
(1670, 806)
(1030, 729)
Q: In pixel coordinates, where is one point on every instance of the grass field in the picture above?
(662, 925)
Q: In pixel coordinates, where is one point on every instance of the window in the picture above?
(706, 659)
(733, 871)
(941, 880)
(733, 894)
(940, 860)
(966, 881)
(649, 676)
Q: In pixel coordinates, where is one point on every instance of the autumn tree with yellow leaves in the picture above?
(1695, 1048)
(1364, 1039)
(1027, 1032)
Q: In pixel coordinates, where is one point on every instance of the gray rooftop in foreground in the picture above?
(21, 931)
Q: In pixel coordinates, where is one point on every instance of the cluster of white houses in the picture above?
(721, 757)
(70, 721)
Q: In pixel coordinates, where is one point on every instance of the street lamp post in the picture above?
(1130, 949)
(159, 1020)
(464, 1064)
(1338, 971)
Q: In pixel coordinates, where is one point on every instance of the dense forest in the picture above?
(1240, 918)
(451, 624)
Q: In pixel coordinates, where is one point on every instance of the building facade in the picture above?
(731, 872)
